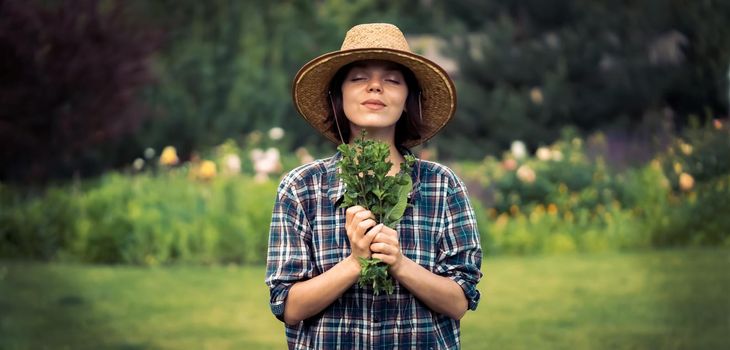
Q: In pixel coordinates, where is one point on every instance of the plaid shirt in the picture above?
(308, 237)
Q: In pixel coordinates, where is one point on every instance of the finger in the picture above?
(363, 226)
(381, 248)
(389, 231)
(388, 259)
(351, 211)
(362, 215)
(382, 237)
(370, 235)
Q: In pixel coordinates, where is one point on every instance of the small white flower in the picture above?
(233, 163)
(149, 152)
(518, 149)
(138, 164)
(272, 153)
(276, 133)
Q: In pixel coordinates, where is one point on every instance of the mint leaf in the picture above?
(364, 168)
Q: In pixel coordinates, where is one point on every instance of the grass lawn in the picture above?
(675, 299)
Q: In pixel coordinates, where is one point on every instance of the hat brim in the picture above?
(438, 94)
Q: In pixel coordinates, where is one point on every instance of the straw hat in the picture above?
(374, 41)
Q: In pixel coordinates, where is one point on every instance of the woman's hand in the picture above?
(386, 247)
(361, 229)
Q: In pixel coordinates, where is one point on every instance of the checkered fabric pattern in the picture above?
(308, 237)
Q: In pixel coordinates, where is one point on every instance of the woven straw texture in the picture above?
(377, 41)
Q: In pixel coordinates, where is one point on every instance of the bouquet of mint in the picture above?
(364, 170)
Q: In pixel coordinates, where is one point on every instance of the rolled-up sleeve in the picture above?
(460, 257)
(288, 258)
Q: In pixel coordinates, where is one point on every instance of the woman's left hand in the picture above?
(386, 247)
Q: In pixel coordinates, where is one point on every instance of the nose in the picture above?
(374, 86)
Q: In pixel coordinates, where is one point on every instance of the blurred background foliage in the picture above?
(149, 132)
(88, 85)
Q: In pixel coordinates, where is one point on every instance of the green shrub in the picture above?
(575, 203)
(697, 218)
(704, 153)
(142, 219)
(37, 228)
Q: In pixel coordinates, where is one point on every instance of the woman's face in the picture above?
(374, 96)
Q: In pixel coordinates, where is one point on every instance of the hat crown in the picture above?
(375, 36)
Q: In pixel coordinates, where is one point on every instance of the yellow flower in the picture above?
(569, 216)
(540, 209)
(536, 95)
(562, 188)
(656, 164)
(552, 209)
(677, 167)
(537, 214)
(600, 209)
(686, 182)
(543, 153)
(502, 220)
(616, 204)
(492, 213)
(686, 148)
(608, 217)
(169, 156)
(207, 170)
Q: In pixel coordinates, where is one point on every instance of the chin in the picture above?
(374, 122)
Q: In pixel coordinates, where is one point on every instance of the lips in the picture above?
(373, 104)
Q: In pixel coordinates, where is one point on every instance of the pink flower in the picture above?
(526, 174)
(509, 164)
(717, 123)
(266, 162)
(304, 156)
(232, 163)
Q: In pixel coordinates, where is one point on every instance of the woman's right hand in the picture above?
(361, 230)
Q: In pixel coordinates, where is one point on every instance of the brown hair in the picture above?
(408, 126)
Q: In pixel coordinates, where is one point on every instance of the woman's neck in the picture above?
(386, 136)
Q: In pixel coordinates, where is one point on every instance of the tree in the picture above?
(226, 67)
(530, 67)
(69, 76)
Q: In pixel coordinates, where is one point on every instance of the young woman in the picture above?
(374, 83)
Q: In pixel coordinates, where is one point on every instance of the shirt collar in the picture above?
(336, 187)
